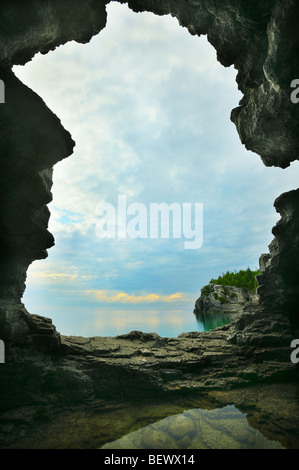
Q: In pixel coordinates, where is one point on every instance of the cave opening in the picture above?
(115, 130)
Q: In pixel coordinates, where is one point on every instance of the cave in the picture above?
(261, 41)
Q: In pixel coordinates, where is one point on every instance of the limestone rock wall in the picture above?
(32, 141)
(223, 299)
(260, 39)
(41, 26)
(279, 280)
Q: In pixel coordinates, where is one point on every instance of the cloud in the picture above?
(123, 297)
(52, 276)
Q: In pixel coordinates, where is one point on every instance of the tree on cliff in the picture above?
(246, 279)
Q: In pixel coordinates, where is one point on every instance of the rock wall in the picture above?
(27, 128)
(260, 39)
(223, 299)
(278, 283)
(32, 140)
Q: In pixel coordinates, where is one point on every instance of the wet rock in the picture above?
(155, 438)
(224, 428)
(181, 426)
(260, 418)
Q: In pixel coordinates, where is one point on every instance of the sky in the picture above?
(149, 108)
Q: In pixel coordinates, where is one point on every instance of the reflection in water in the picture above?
(270, 421)
(79, 321)
(225, 428)
(210, 321)
(165, 322)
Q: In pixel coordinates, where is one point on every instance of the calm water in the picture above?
(181, 423)
(222, 428)
(166, 323)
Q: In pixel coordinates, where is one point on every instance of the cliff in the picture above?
(223, 299)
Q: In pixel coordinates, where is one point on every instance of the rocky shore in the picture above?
(85, 373)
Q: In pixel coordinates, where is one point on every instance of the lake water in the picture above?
(166, 323)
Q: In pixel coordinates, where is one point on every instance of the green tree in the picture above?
(246, 279)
